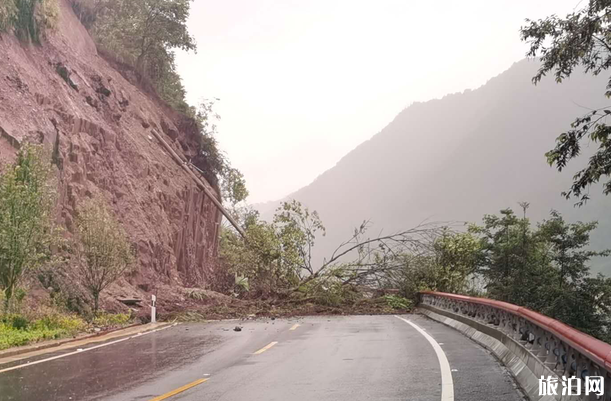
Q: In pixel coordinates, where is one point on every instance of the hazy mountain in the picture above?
(462, 156)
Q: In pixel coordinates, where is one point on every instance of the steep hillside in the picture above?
(459, 157)
(65, 95)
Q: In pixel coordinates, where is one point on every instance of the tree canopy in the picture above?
(145, 34)
(582, 38)
(545, 268)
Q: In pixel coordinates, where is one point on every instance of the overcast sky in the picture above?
(304, 82)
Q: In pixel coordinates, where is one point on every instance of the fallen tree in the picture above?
(276, 259)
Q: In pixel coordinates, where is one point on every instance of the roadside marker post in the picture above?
(153, 310)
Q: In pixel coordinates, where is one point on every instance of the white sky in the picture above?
(303, 82)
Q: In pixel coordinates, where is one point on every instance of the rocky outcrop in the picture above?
(66, 95)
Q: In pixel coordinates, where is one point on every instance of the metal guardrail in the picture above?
(563, 349)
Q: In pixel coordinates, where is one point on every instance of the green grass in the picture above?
(16, 330)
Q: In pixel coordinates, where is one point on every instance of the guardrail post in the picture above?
(153, 310)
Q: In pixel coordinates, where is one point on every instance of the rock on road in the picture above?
(315, 358)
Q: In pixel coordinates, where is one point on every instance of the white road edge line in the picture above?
(81, 350)
(447, 384)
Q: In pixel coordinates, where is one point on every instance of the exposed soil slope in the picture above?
(102, 125)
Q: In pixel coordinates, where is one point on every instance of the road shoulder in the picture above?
(32, 351)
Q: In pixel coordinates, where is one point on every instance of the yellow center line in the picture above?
(294, 327)
(262, 350)
(179, 390)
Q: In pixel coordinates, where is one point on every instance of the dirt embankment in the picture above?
(67, 96)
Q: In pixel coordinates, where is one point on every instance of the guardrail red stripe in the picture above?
(597, 350)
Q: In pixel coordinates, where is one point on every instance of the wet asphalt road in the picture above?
(324, 358)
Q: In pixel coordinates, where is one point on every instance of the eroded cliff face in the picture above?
(101, 126)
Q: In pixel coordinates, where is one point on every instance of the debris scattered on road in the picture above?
(237, 328)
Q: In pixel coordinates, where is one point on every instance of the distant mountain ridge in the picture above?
(460, 157)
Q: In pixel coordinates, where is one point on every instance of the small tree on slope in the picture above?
(26, 202)
(104, 253)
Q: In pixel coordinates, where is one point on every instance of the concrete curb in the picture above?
(523, 365)
(57, 343)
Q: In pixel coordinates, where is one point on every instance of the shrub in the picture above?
(110, 320)
(397, 302)
(17, 330)
(330, 291)
(30, 19)
(15, 321)
(8, 13)
(196, 295)
(65, 323)
(46, 15)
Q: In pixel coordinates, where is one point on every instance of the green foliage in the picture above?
(30, 19)
(457, 256)
(416, 273)
(545, 269)
(46, 16)
(567, 248)
(111, 319)
(8, 14)
(258, 258)
(211, 159)
(297, 228)
(397, 302)
(17, 322)
(233, 185)
(446, 265)
(274, 256)
(277, 258)
(57, 321)
(581, 38)
(104, 252)
(17, 330)
(168, 83)
(513, 259)
(196, 295)
(330, 290)
(27, 196)
(242, 284)
(145, 34)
